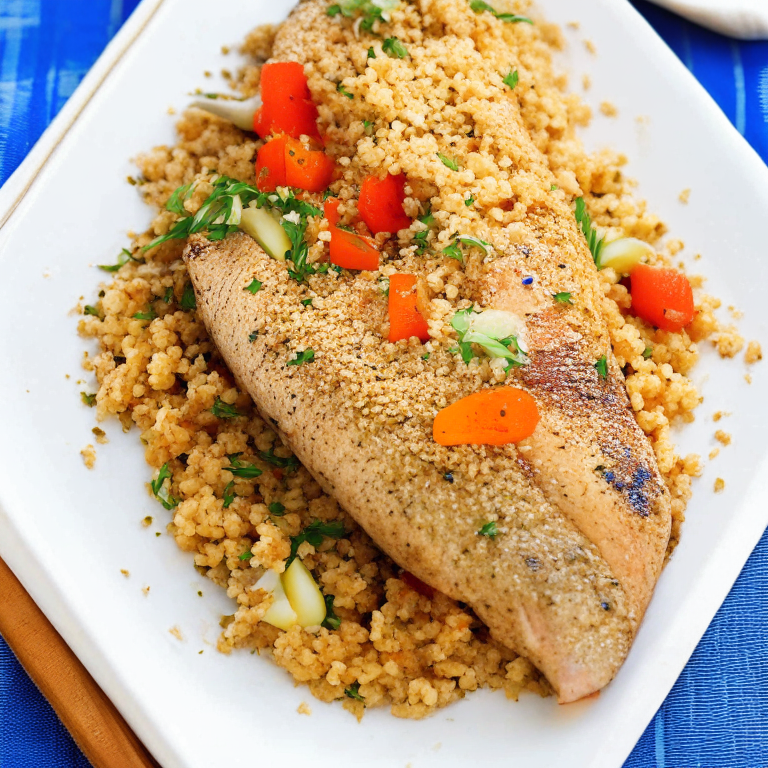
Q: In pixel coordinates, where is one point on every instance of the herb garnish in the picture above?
(247, 555)
(371, 55)
(447, 162)
(88, 309)
(648, 353)
(224, 410)
(594, 242)
(331, 620)
(229, 495)
(469, 201)
(291, 463)
(370, 10)
(601, 366)
(305, 356)
(307, 302)
(314, 533)
(150, 314)
(161, 491)
(420, 238)
(342, 89)
(124, 257)
(240, 468)
(188, 301)
(254, 286)
(507, 349)
(489, 529)
(88, 399)
(354, 692)
(564, 297)
(512, 79)
(168, 295)
(276, 508)
(252, 336)
(478, 6)
(394, 48)
(453, 251)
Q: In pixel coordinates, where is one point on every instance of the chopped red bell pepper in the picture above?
(309, 169)
(662, 297)
(381, 204)
(353, 251)
(287, 105)
(405, 320)
(270, 165)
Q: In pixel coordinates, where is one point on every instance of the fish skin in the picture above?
(543, 588)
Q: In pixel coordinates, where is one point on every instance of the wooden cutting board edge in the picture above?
(93, 720)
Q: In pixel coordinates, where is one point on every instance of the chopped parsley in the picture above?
(512, 79)
(88, 399)
(508, 349)
(161, 491)
(254, 286)
(150, 314)
(342, 89)
(394, 48)
(478, 6)
(353, 692)
(124, 257)
(314, 533)
(594, 242)
(371, 55)
(188, 301)
(453, 251)
(291, 463)
(447, 162)
(368, 127)
(168, 295)
(371, 11)
(331, 620)
(88, 309)
(564, 297)
(252, 336)
(247, 555)
(601, 366)
(425, 356)
(421, 237)
(229, 494)
(554, 188)
(648, 353)
(469, 201)
(307, 302)
(305, 356)
(224, 410)
(240, 468)
(490, 530)
(276, 508)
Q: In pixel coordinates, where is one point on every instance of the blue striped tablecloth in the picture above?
(717, 714)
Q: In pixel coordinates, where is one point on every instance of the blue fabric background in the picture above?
(717, 714)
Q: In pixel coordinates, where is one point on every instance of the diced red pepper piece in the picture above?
(405, 320)
(331, 210)
(381, 204)
(309, 169)
(353, 251)
(287, 105)
(270, 165)
(662, 297)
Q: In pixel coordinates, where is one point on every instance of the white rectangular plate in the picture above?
(67, 531)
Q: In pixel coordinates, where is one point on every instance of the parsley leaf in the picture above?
(88, 399)
(371, 55)
(159, 489)
(150, 314)
(88, 309)
(333, 10)
(512, 79)
(394, 48)
(314, 533)
(371, 11)
(601, 366)
(247, 555)
(307, 302)
(229, 495)
(564, 297)
(478, 6)
(291, 463)
(124, 257)
(331, 620)
(306, 356)
(469, 201)
(353, 692)
(224, 410)
(447, 162)
(342, 89)
(188, 301)
(508, 349)
(594, 242)
(453, 251)
(168, 295)
(648, 353)
(421, 237)
(490, 530)
(254, 286)
(243, 469)
(252, 336)
(277, 509)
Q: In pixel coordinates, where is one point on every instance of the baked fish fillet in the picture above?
(583, 513)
